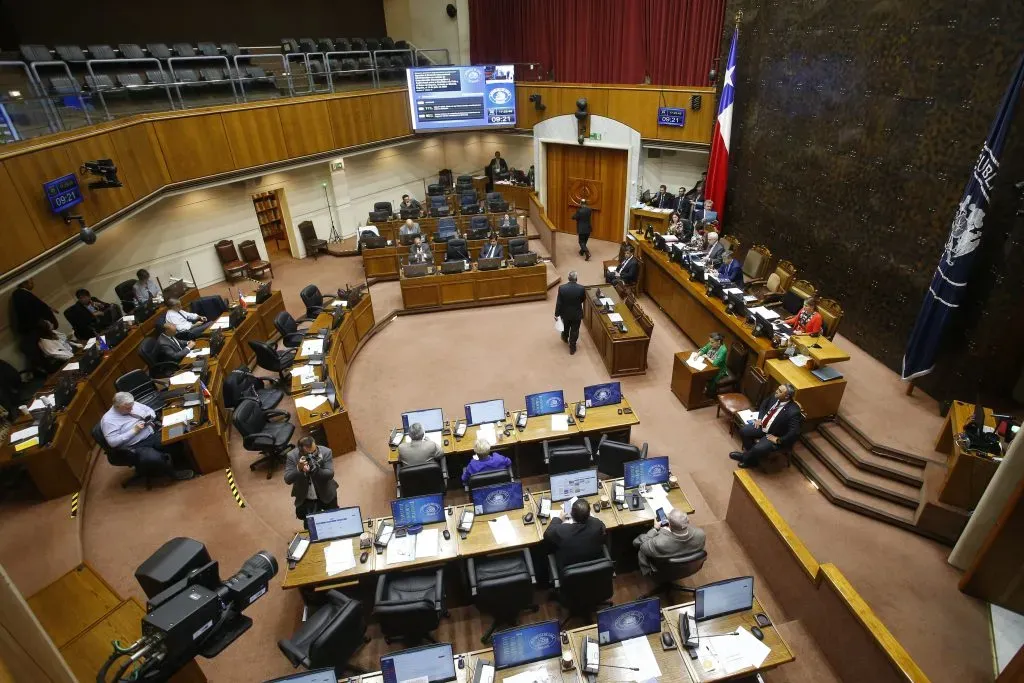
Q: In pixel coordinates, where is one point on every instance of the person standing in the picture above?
(569, 307)
(28, 309)
(582, 218)
(310, 471)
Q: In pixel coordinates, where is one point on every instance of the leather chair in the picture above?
(126, 293)
(269, 358)
(771, 288)
(488, 478)
(233, 266)
(253, 260)
(583, 587)
(502, 586)
(561, 455)
(210, 307)
(446, 229)
(735, 365)
(329, 636)
(445, 178)
(831, 314)
(264, 431)
(423, 479)
(241, 384)
(755, 263)
(753, 390)
(146, 390)
(384, 207)
(15, 387)
(798, 292)
(669, 570)
(288, 328)
(612, 455)
(518, 245)
(479, 224)
(409, 605)
(435, 189)
(314, 245)
(456, 250)
(438, 206)
(157, 369)
(645, 322)
(122, 457)
(313, 300)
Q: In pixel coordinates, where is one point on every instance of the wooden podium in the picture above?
(689, 385)
(640, 218)
(968, 473)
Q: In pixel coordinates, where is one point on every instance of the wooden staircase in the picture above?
(855, 472)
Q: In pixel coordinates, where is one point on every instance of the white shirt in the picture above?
(118, 429)
(143, 290)
(182, 320)
(779, 405)
(57, 348)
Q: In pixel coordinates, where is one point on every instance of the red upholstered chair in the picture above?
(233, 266)
(253, 261)
(753, 389)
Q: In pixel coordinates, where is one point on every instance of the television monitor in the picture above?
(763, 326)
(631, 620)
(545, 403)
(498, 498)
(579, 483)
(340, 523)
(461, 97)
(485, 411)
(430, 663)
(646, 471)
(262, 293)
(427, 509)
(431, 419)
(696, 270)
(724, 597)
(607, 394)
(714, 289)
(736, 304)
(63, 193)
(315, 676)
(526, 644)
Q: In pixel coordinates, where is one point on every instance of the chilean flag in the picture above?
(718, 164)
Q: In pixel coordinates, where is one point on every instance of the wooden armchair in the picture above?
(793, 300)
(253, 261)
(646, 324)
(831, 315)
(756, 263)
(735, 365)
(228, 255)
(314, 245)
(771, 288)
(753, 389)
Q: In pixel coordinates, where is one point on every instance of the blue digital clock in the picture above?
(63, 193)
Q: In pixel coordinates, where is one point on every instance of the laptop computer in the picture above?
(488, 264)
(826, 372)
(416, 269)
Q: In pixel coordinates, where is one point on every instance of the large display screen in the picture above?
(457, 97)
(630, 620)
(526, 644)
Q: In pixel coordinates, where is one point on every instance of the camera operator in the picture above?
(310, 471)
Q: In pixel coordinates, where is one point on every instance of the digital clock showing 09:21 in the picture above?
(63, 193)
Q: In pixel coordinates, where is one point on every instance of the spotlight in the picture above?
(104, 168)
(537, 104)
(85, 233)
(712, 76)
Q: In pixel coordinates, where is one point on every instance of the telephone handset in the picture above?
(619, 494)
(396, 437)
(460, 430)
(581, 410)
(545, 508)
(383, 535)
(521, 420)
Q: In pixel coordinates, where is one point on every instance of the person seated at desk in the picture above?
(777, 426)
(310, 472)
(730, 272)
(418, 450)
(716, 250)
(89, 315)
(419, 252)
(575, 536)
(697, 241)
(492, 249)
(662, 199)
(674, 538)
(183, 321)
(409, 204)
(675, 225)
(170, 349)
(808, 320)
(146, 287)
(484, 460)
(508, 222)
(54, 344)
(628, 270)
(134, 426)
(410, 227)
(716, 353)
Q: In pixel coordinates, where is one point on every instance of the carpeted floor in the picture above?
(448, 359)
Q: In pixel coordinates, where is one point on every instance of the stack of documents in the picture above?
(401, 549)
(728, 654)
(70, 366)
(559, 422)
(615, 317)
(696, 362)
(339, 557)
(764, 312)
(221, 323)
(487, 433)
(799, 360)
(312, 347)
(196, 353)
(747, 416)
(338, 302)
(24, 433)
(183, 378)
(171, 419)
(305, 373)
(658, 498)
(605, 301)
(128, 319)
(251, 299)
(47, 401)
(636, 652)
(310, 402)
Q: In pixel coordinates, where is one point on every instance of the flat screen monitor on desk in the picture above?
(696, 269)
(433, 663)
(340, 523)
(646, 471)
(573, 484)
(736, 304)
(316, 676)
(526, 644)
(498, 498)
(714, 288)
(631, 620)
(427, 509)
(485, 411)
(762, 326)
(607, 394)
(545, 403)
(724, 597)
(431, 419)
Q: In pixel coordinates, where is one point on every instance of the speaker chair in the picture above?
(669, 570)
(488, 478)
(330, 636)
(269, 358)
(502, 586)
(831, 315)
(289, 329)
(561, 455)
(146, 390)
(313, 300)
(409, 605)
(756, 263)
(612, 455)
(584, 586)
(265, 431)
(518, 245)
(148, 353)
(254, 262)
(423, 479)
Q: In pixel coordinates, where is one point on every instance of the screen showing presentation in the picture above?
(545, 403)
(454, 97)
(631, 620)
(335, 524)
(568, 484)
(724, 597)
(646, 471)
(598, 395)
(485, 411)
(526, 644)
(498, 498)
(431, 419)
(433, 663)
(418, 510)
(316, 676)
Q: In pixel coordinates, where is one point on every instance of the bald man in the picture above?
(676, 538)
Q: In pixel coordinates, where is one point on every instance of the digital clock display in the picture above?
(63, 193)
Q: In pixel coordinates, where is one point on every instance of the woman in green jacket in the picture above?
(715, 352)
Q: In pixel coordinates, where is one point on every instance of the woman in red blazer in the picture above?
(808, 320)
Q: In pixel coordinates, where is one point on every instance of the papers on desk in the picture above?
(747, 298)
(529, 676)
(615, 317)
(488, 433)
(747, 416)
(171, 419)
(47, 401)
(764, 312)
(24, 433)
(637, 652)
(401, 549)
(338, 302)
(669, 239)
(221, 323)
(70, 366)
(310, 402)
(559, 422)
(631, 236)
(732, 290)
(657, 497)
(312, 347)
(696, 361)
(251, 299)
(611, 269)
(428, 543)
(501, 529)
(196, 353)
(128, 319)
(566, 507)
(305, 373)
(799, 360)
(728, 654)
(338, 556)
(183, 378)
(89, 344)
(605, 301)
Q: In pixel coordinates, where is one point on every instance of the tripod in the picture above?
(334, 236)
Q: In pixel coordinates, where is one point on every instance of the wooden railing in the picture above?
(545, 228)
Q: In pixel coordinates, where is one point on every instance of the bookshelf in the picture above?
(270, 217)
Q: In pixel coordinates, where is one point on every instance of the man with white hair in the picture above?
(134, 427)
(675, 538)
(418, 450)
(185, 321)
(716, 250)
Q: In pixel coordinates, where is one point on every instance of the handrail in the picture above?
(447, 56)
(33, 68)
(286, 72)
(51, 118)
(163, 78)
(219, 58)
(374, 76)
(796, 547)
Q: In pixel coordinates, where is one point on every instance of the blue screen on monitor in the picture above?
(454, 97)
(545, 403)
(316, 676)
(63, 193)
(418, 510)
(598, 395)
(433, 661)
(498, 498)
(526, 644)
(634, 619)
(568, 484)
(431, 419)
(646, 471)
(339, 523)
(485, 411)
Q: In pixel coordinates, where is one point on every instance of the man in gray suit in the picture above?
(310, 471)
(169, 348)
(419, 450)
(677, 539)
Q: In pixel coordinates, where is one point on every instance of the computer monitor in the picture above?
(631, 620)
(578, 483)
(714, 289)
(646, 471)
(498, 498)
(431, 419)
(340, 523)
(485, 411)
(316, 676)
(526, 644)
(427, 509)
(607, 394)
(696, 270)
(263, 292)
(762, 326)
(724, 597)
(434, 663)
(736, 304)
(545, 403)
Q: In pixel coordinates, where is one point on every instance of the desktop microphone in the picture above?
(627, 668)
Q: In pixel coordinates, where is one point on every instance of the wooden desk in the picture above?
(312, 568)
(821, 350)
(390, 229)
(336, 423)
(616, 418)
(780, 654)
(689, 385)
(474, 288)
(206, 442)
(624, 353)
(464, 446)
(968, 473)
(817, 398)
(539, 428)
(669, 661)
(641, 218)
(606, 515)
(629, 517)
(517, 196)
(480, 540)
(447, 549)
(551, 668)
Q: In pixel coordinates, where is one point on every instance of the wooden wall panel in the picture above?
(29, 172)
(597, 100)
(350, 121)
(255, 136)
(608, 167)
(306, 128)
(20, 239)
(638, 109)
(141, 161)
(99, 204)
(194, 146)
(389, 113)
(699, 124)
(527, 115)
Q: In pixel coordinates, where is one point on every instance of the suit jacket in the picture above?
(682, 206)
(85, 324)
(421, 254)
(663, 200)
(574, 543)
(582, 218)
(569, 301)
(499, 251)
(419, 452)
(715, 255)
(786, 424)
(629, 271)
(662, 544)
(27, 310)
(170, 349)
(322, 478)
(502, 168)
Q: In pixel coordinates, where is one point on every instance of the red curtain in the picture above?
(601, 41)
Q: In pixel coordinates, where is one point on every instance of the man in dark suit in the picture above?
(88, 316)
(569, 307)
(683, 204)
(27, 309)
(576, 537)
(582, 218)
(170, 349)
(419, 252)
(492, 249)
(310, 471)
(777, 426)
(628, 270)
(662, 199)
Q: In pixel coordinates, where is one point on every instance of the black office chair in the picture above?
(409, 605)
(126, 293)
(15, 387)
(289, 329)
(518, 245)
(423, 479)
(122, 457)
(457, 250)
(434, 189)
(241, 384)
(561, 455)
(146, 390)
(210, 307)
(384, 207)
(439, 206)
(669, 570)
(269, 358)
(583, 587)
(157, 369)
(313, 300)
(478, 224)
(329, 636)
(488, 478)
(264, 431)
(502, 586)
(612, 454)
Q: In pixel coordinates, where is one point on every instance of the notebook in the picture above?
(826, 372)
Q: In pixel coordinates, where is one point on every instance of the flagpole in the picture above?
(739, 18)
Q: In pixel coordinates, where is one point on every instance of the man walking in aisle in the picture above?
(569, 307)
(582, 218)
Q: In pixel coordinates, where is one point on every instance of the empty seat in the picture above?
(70, 53)
(230, 49)
(184, 50)
(130, 51)
(308, 45)
(158, 50)
(62, 85)
(212, 73)
(99, 82)
(349, 64)
(386, 43)
(101, 52)
(36, 53)
(258, 74)
(326, 45)
(185, 76)
(289, 45)
(209, 49)
(316, 68)
(130, 80)
(343, 45)
(372, 44)
(365, 63)
(358, 44)
(155, 76)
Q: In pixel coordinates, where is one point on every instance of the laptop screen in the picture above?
(418, 510)
(433, 663)
(598, 395)
(646, 471)
(340, 523)
(545, 403)
(498, 498)
(525, 644)
(431, 419)
(568, 484)
(630, 620)
(485, 411)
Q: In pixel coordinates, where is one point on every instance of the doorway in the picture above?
(597, 174)
(272, 212)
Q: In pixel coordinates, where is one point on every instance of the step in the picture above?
(862, 480)
(865, 459)
(875, 447)
(851, 499)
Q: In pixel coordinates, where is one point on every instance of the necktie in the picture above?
(771, 414)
